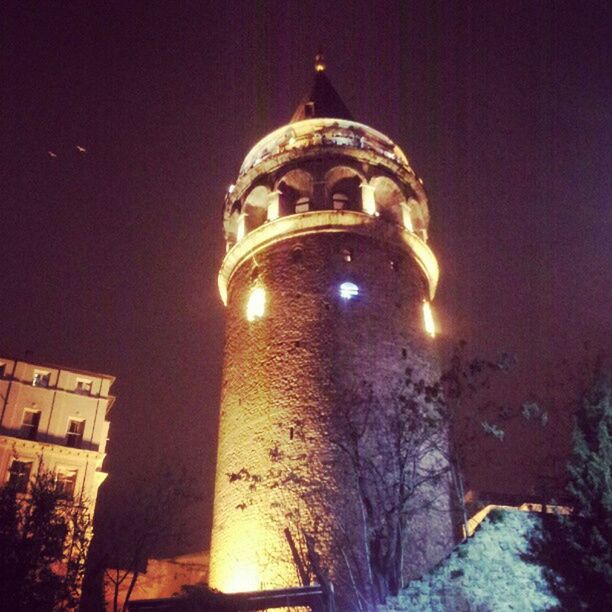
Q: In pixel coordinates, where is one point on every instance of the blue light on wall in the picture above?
(348, 291)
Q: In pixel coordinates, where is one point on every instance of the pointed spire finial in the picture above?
(319, 62)
(323, 100)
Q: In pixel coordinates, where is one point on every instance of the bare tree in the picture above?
(385, 464)
(148, 520)
(393, 451)
(470, 412)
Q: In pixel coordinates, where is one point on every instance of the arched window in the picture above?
(339, 201)
(295, 190)
(342, 188)
(255, 207)
(419, 217)
(389, 198)
(302, 204)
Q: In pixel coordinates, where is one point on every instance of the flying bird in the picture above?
(51, 154)
(81, 149)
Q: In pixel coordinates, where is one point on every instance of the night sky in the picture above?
(110, 256)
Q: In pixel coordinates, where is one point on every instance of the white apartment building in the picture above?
(54, 419)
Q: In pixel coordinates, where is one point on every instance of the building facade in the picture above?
(327, 280)
(54, 419)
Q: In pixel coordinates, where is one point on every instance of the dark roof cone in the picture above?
(323, 100)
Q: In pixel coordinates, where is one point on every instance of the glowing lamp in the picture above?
(319, 63)
(256, 304)
(428, 320)
(348, 291)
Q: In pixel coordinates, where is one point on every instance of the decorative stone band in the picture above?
(37, 447)
(314, 222)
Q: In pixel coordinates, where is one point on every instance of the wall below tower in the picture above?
(286, 379)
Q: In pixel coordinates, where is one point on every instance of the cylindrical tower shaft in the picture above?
(326, 279)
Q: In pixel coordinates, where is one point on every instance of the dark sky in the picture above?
(109, 258)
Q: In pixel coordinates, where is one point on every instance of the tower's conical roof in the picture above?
(323, 100)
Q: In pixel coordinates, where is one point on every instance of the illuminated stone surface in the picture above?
(67, 395)
(297, 361)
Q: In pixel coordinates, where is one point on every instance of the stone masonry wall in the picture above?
(296, 364)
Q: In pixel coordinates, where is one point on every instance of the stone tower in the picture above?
(327, 281)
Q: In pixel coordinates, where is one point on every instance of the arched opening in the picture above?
(389, 199)
(342, 190)
(255, 207)
(303, 204)
(231, 221)
(340, 201)
(295, 192)
(418, 217)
